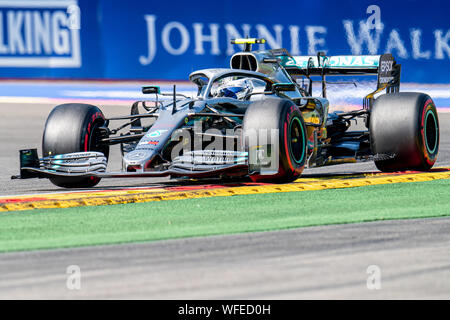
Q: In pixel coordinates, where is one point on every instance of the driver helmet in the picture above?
(237, 89)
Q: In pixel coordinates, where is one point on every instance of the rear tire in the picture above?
(73, 127)
(404, 131)
(284, 116)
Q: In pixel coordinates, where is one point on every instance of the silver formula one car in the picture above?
(258, 119)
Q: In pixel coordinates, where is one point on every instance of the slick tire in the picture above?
(285, 119)
(70, 128)
(404, 132)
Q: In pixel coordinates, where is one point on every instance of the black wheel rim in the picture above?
(431, 131)
(95, 143)
(297, 140)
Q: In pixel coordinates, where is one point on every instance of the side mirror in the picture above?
(278, 87)
(151, 90)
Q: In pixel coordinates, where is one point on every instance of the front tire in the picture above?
(73, 127)
(404, 131)
(284, 117)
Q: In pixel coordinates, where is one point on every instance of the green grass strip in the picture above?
(84, 226)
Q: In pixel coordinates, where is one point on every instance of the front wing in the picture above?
(85, 164)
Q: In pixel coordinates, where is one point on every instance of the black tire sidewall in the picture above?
(398, 128)
(278, 114)
(70, 128)
(288, 163)
(429, 157)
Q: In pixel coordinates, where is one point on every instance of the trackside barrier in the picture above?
(116, 39)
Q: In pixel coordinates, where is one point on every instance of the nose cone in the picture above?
(136, 160)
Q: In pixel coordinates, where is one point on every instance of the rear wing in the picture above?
(384, 65)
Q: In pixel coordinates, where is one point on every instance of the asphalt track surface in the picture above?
(328, 262)
(318, 262)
